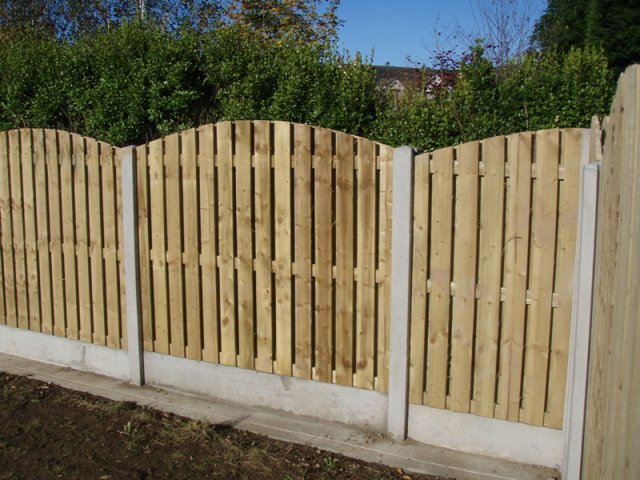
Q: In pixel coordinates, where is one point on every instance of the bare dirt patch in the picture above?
(50, 432)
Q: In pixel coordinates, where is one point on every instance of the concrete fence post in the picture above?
(400, 292)
(131, 265)
(577, 374)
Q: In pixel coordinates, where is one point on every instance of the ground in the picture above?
(50, 432)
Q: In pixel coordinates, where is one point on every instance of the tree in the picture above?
(309, 20)
(613, 25)
(71, 19)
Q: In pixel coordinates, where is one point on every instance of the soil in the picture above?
(50, 432)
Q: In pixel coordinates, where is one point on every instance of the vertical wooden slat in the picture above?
(419, 269)
(464, 276)
(122, 323)
(55, 232)
(323, 255)
(613, 417)
(82, 236)
(146, 308)
(6, 212)
(365, 286)
(158, 247)
(30, 245)
(543, 235)
(95, 241)
(68, 235)
(516, 257)
(385, 204)
(15, 163)
(344, 258)
(225, 242)
(174, 244)
(440, 277)
(565, 266)
(282, 165)
(112, 289)
(42, 219)
(489, 274)
(302, 253)
(244, 242)
(190, 231)
(262, 200)
(208, 244)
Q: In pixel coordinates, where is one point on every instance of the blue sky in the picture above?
(396, 29)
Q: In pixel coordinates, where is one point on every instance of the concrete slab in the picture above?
(409, 455)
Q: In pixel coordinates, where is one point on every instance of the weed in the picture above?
(134, 437)
(330, 463)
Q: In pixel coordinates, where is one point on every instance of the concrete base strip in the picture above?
(65, 352)
(336, 403)
(336, 437)
(512, 441)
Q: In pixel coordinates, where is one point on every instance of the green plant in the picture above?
(134, 437)
(330, 463)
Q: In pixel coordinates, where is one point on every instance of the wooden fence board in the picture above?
(263, 236)
(385, 204)
(543, 233)
(144, 250)
(112, 289)
(440, 277)
(564, 265)
(208, 228)
(191, 260)
(122, 317)
(344, 258)
(302, 253)
(613, 417)
(244, 242)
(29, 218)
(95, 242)
(42, 232)
(3, 207)
(158, 247)
(323, 255)
(464, 276)
(282, 165)
(516, 257)
(55, 232)
(8, 269)
(365, 251)
(419, 273)
(489, 274)
(174, 244)
(17, 216)
(81, 223)
(225, 241)
(18, 229)
(601, 393)
(68, 235)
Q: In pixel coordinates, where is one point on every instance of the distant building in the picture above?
(402, 79)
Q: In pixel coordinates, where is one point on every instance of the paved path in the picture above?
(410, 456)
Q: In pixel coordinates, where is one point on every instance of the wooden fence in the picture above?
(283, 257)
(61, 221)
(493, 259)
(267, 246)
(612, 427)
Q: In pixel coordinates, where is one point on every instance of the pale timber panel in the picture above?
(440, 278)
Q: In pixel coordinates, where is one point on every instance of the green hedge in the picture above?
(136, 82)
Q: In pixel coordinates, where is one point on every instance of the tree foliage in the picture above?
(536, 92)
(613, 25)
(139, 71)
